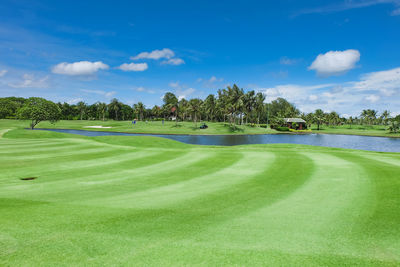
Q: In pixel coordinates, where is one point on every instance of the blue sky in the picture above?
(334, 55)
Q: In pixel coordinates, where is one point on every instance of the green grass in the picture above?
(151, 201)
(170, 127)
(369, 130)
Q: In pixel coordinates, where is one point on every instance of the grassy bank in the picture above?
(369, 130)
(169, 127)
(151, 201)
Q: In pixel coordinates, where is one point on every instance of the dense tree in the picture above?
(39, 109)
(259, 105)
(283, 109)
(8, 108)
(194, 108)
(318, 117)
(101, 109)
(139, 110)
(209, 107)
(81, 106)
(249, 102)
(114, 107)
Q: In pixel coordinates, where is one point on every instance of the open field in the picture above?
(151, 201)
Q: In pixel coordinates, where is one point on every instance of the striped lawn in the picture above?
(150, 201)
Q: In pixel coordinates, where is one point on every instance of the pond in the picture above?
(382, 144)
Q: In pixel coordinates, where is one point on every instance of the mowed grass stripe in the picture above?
(319, 213)
(378, 233)
(199, 214)
(81, 163)
(151, 188)
(70, 185)
(221, 178)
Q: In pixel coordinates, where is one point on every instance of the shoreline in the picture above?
(188, 134)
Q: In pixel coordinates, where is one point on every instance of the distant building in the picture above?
(295, 123)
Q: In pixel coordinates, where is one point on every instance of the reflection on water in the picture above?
(383, 144)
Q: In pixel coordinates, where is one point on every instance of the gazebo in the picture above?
(295, 123)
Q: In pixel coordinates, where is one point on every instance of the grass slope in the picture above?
(170, 127)
(150, 201)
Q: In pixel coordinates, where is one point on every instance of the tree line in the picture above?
(231, 105)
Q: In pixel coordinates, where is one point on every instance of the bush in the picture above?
(282, 128)
(263, 125)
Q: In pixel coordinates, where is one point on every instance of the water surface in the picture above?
(382, 144)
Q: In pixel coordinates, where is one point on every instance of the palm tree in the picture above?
(385, 116)
(259, 105)
(194, 107)
(249, 102)
(139, 108)
(183, 108)
(115, 106)
(319, 117)
(209, 106)
(156, 111)
(102, 108)
(81, 106)
(235, 104)
(394, 127)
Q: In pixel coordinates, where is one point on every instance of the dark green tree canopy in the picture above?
(39, 109)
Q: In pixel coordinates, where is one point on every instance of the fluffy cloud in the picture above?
(79, 68)
(373, 90)
(133, 67)
(29, 81)
(387, 82)
(173, 61)
(155, 54)
(335, 62)
(372, 98)
(3, 72)
(185, 93)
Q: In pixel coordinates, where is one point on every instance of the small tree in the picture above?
(394, 127)
(39, 109)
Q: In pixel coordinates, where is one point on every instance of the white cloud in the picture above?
(373, 90)
(3, 72)
(288, 61)
(155, 54)
(173, 61)
(145, 90)
(215, 79)
(79, 68)
(291, 92)
(387, 81)
(74, 101)
(100, 92)
(174, 84)
(185, 93)
(313, 97)
(335, 62)
(372, 98)
(29, 81)
(133, 67)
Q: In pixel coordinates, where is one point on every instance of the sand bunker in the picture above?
(97, 126)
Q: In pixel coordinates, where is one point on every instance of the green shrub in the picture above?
(282, 128)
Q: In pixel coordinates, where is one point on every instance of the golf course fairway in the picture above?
(150, 201)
